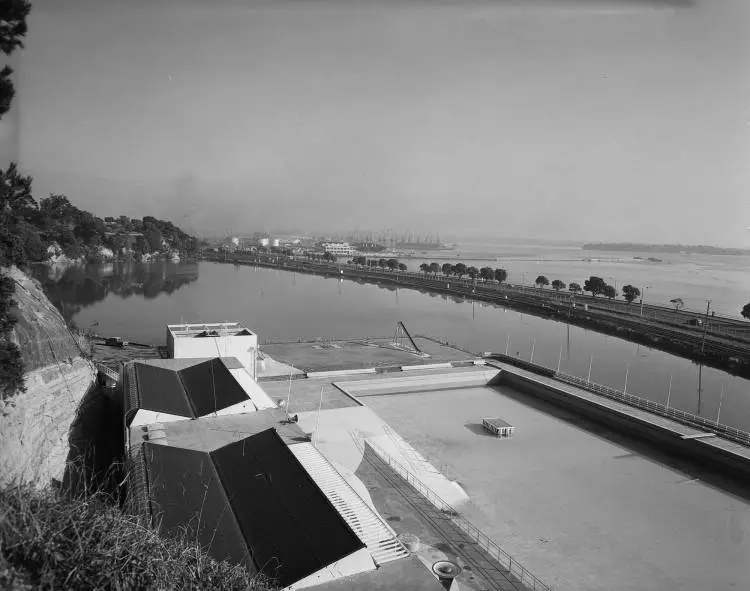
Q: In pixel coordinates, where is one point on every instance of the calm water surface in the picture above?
(724, 279)
(136, 301)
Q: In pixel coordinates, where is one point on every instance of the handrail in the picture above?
(681, 416)
(108, 371)
(513, 567)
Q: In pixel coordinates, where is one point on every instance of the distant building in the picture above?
(264, 241)
(339, 249)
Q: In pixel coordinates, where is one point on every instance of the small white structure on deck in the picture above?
(225, 339)
(498, 427)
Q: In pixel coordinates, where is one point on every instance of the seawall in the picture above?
(730, 354)
(698, 445)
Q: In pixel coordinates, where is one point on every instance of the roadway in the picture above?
(720, 341)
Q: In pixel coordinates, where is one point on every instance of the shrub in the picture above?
(53, 542)
(11, 362)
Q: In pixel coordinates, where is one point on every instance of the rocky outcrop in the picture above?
(35, 425)
(40, 331)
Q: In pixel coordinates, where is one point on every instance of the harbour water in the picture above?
(723, 279)
(137, 300)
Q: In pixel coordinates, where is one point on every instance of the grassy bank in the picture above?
(50, 542)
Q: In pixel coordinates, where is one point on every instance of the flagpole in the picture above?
(721, 399)
(320, 405)
(627, 371)
(669, 393)
(559, 359)
(289, 395)
(531, 359)
(591, 361)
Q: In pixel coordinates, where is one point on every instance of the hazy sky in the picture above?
(571, 119)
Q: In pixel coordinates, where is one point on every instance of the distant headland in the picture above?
(664, 248)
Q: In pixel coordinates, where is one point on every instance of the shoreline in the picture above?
(721, 352)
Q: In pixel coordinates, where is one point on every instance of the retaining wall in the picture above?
(694, 449)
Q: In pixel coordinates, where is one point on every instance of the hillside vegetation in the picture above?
(48, 541)
(32, 231)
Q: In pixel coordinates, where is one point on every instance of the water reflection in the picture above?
(292, 306)
(74, 287)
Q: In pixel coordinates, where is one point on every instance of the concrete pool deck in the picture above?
(579, 506)
(356, 353)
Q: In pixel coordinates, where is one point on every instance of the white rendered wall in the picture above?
(357, 562)
(242, 347)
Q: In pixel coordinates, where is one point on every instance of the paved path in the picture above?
(492, 575)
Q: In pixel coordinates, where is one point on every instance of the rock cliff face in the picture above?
(34, 425)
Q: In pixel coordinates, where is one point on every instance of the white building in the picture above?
(339, 249)
(226, 339)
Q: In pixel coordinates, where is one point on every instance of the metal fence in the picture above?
(680, 416)
(506, 561)
(111, 373)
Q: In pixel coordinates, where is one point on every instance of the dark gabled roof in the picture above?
(185, 387)
(186, 495)
(250, 502)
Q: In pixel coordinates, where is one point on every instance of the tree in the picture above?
(392, 264)
(7, 91)
(382, 263)
(486, 273)
(610, 291)
(17, 206)
(472, 272)
(153, 237)
(746, 311)
(677, 303)
(557, 285)
(500, 275)
(402, 267)
(425, 268)
(13, 27)
(447, 269)
(460, 270)
(15, 193)
(141, 246)
(434, 268)
(630, 293)
(541, 281)
(594, 285)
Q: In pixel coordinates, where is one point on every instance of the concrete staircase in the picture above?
(375, 533)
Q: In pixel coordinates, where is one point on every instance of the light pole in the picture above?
(643, 295)
(705, 325)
